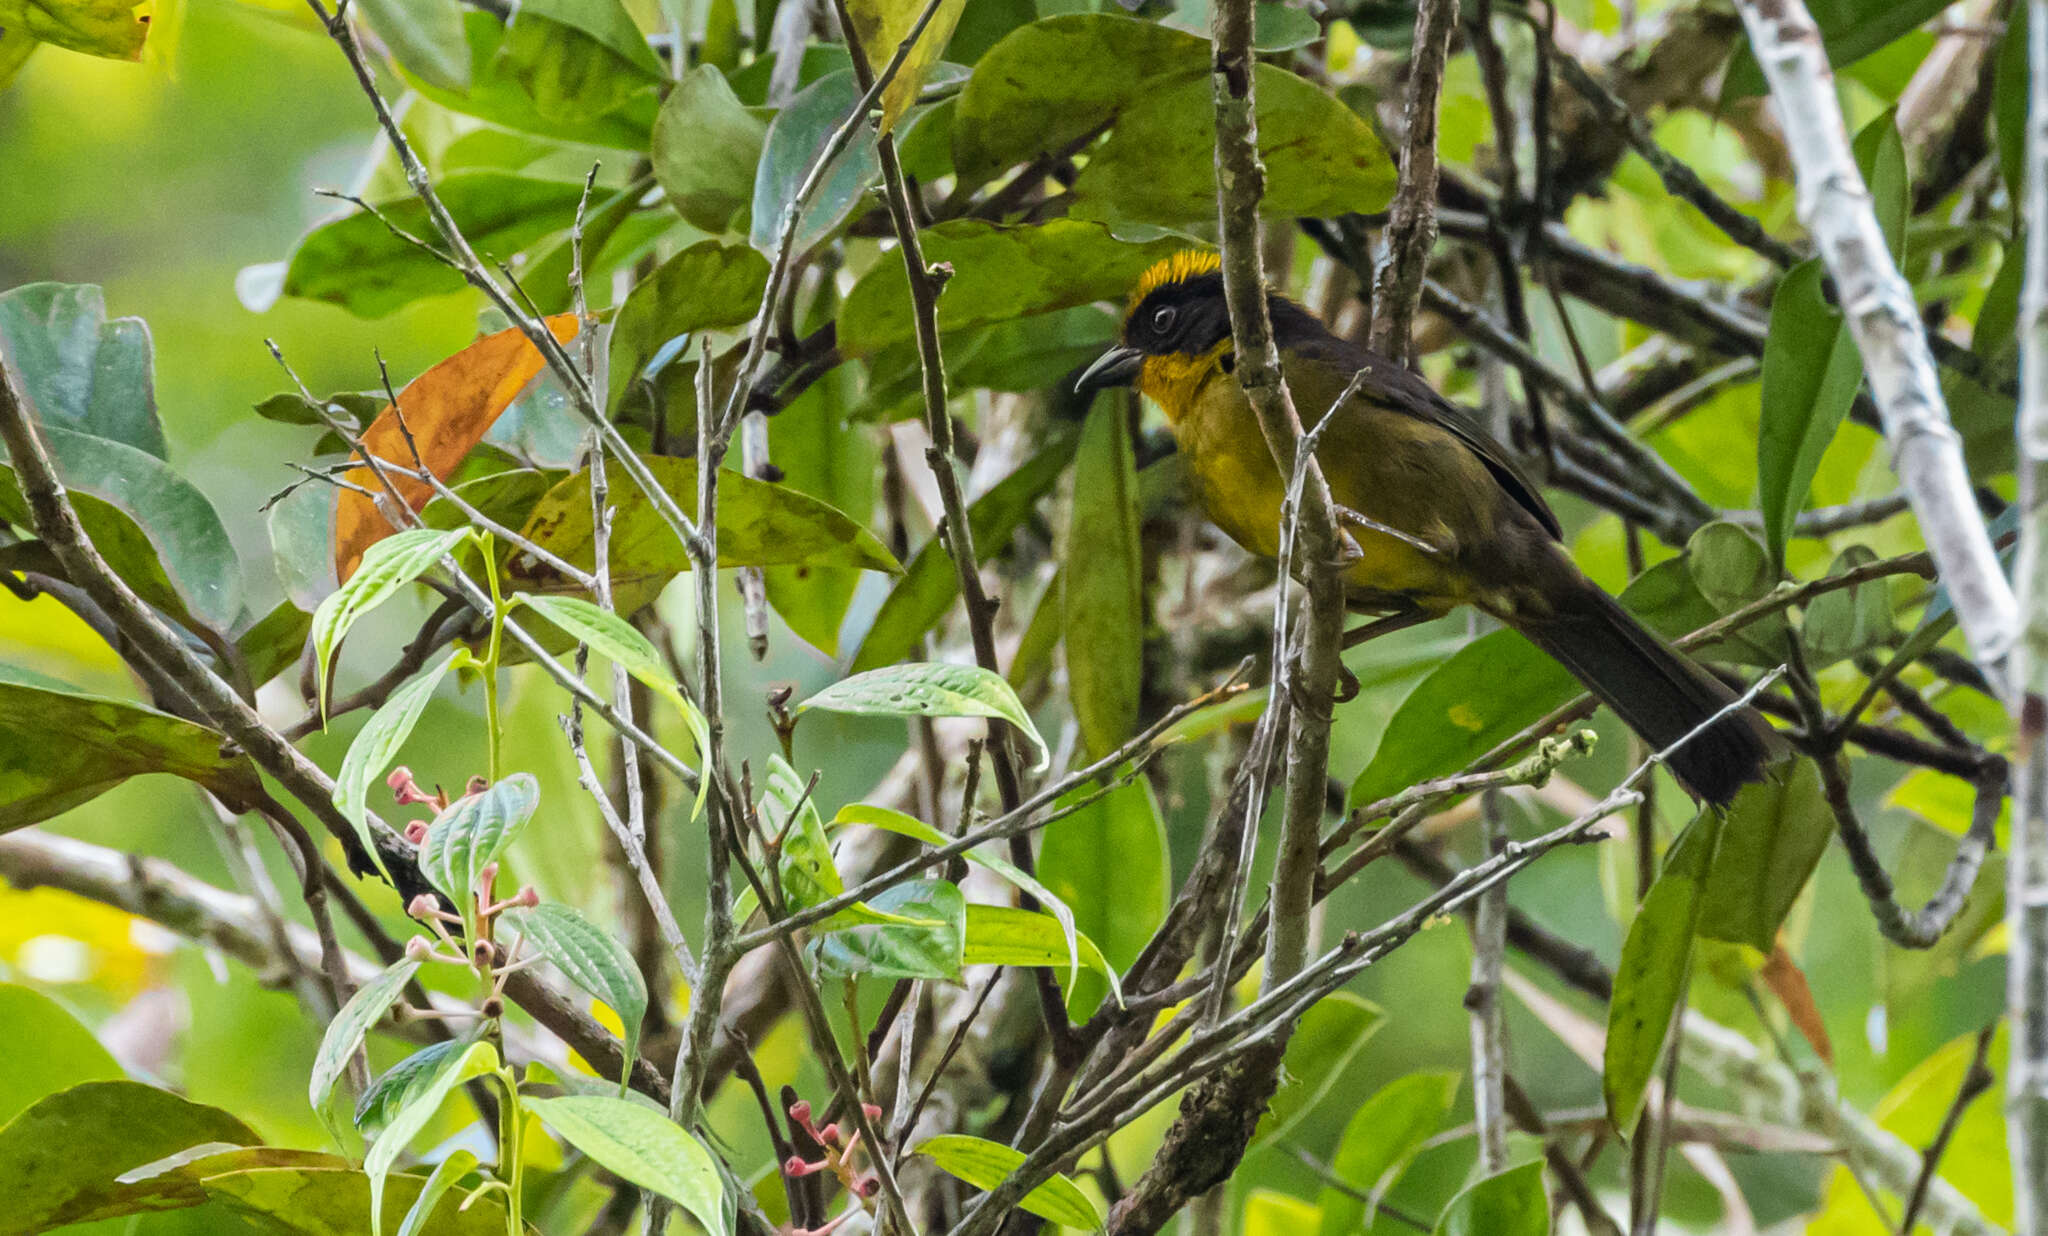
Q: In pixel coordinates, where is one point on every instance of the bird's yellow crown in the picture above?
(1186, 264)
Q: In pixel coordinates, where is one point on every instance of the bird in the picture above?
(1436, 512)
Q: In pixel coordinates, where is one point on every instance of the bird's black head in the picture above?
(1175, 325)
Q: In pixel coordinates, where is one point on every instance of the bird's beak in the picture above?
(1116, 367)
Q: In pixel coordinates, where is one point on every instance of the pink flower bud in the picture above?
(867, 1186)
(800, 1111)
(416, 832)
(873, 1111)
(422, 906)
(796, 1168)
(418, 949)
(830, 1135)
(528, 897)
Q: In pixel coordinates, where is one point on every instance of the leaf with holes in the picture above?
(930, 689)
(594, 960)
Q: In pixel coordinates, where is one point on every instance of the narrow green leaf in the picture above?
(593, 959)
(401, 1081)
(1655, 966)
(1110, 860)
(387, 566)
(345, 1033)
(458, 1164)
(1102, 586)
(986, 1165)
(1510, 1204)
(930, 689)
(1380, 1137)
(472, 833)
(882, 26)
(1008, 936)
(1325, 1041)
(610, 636)
(420, 1104)
(1774, 835)
(2009, 96)
(900, 952)
(1881, 157)
(1811, 372)
(642, 1146)
(377, 744)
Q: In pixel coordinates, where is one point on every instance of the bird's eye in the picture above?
(1162, 319)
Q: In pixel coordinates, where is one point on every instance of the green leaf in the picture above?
(1811, 372)
(387, 1095)
(1008, 936)
(473, 832)
(377, 744)
(610, 636)
(2009, 98)
(110, 29)
(301, 527)
(1102, 588)
(1774, 835)
(1325, 1041)
(1000, 273)
(822, 456)
(60, 747)
(1849, 29)
(155, 530)
(59, 1159)
(1656, 962)
(1996, 331)
(643, 1147)
(578, 59)
(176, 1181)
(882, 26)
(1848, 621)
(497, 96)
(458, 1164)
(897, 952)
(1271, 1213)
(356, 262)
(335, 1201)
(1381, 1136)
(929, 689)
(1488, 690)
(986, 1165)
(707, 148)
(931, 583)
(423, 35)
(706, 286)
(1881, 157)
(594, 960)
(1111, 862)
(421, 1102)
(80, 371)
(759, 524)
(795, 138)
(66, 1053)
(345, 1033)
(1510, 1204)
(387, 566)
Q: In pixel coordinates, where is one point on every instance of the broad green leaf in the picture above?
(821, 455)
(611, 637)
(1000, 273)
(1490, 689)
(66, 1053)
(387, 566)
(931, 583)
(1325, 1041)
(1271, 1213)
(1102, 585)
(1848, 621)
(1656, 962)
(759, 524)
(397, 1085)
(155, 530)
(378, 743)
(345, 1033)
(1510, 1204)
(707, 147)
(494, 95)
(895, 952)
(1008, 936)
(929, 689)
(176, 1181)
(891, 820)
(706, 286)
(458, 1164)
(1811, 372)
(594, 960)
(1849, 29)
(421, 1102)
(79, 370)
(795, 138)
(109, 29)
(578, 59)
(1732, 568)
(423, 35)
(641, 1146)
(60, 747)
(335, 1201)
(356, 262)
(1381, 1136)
(59, 1158)
(1111, 862)
(613, 223)
(301, 527)
(473, 832)
(1773, 837)
(986, 1165)
(882, 27)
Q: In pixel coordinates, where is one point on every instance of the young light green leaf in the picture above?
(611, 636)
(390, 1092)
(590, 957)
(1510, 1204)
(1008, 936)
(1108, 857)
(986, 1165)
(921, 952)
(642, 1146)
(1380, 1137)
(1655, 966)
(472, 833)
(419, 1107)
(930, 689)
(1268, 1212)
(377, 744)
(458, 1164)
(387, 566)
(345, 1033)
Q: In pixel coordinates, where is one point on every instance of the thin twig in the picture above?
(1411, 231)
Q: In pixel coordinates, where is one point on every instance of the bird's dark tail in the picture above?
(1655, 689)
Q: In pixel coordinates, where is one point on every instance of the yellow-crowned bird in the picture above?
(1439, 513)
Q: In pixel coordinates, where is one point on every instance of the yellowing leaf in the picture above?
(448, 408)
(882, 25)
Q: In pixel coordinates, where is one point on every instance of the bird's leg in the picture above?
(1354, 519)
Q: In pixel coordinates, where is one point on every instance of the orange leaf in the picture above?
(1783, 976)
(449, 409)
